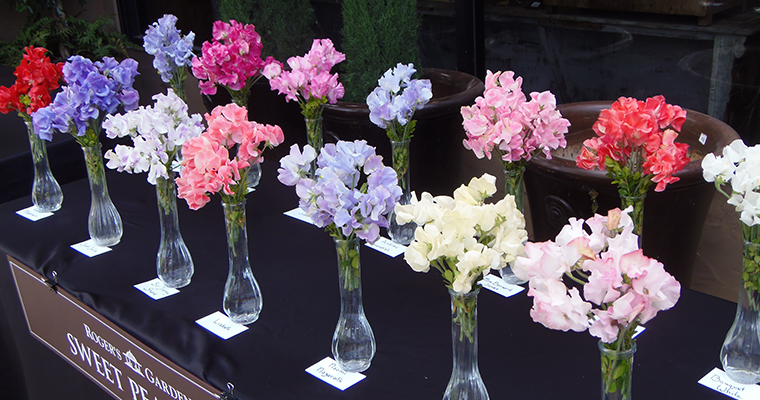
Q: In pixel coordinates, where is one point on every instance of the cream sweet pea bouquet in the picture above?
(463, 237)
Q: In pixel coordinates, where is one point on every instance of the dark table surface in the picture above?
(295, 266)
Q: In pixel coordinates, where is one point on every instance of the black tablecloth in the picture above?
(295, 266)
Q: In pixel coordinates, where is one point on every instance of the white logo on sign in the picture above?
(132, 363)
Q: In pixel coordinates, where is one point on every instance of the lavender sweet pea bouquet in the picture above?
(93, 89)
(351, 193)
(395, 99)
(172, 52)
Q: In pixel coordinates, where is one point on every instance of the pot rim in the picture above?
(690, 175)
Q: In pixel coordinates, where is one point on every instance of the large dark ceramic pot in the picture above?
(438, 161)
(557, 189)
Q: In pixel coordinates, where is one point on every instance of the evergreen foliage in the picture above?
(91, 39)
(285, 26)
(377, 35)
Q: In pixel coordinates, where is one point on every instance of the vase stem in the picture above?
(104, 222)
(740, 354)
(513, 185)
(353, 342)
(465, 382)
(46, 192)
(401, 233)
(242, 296)
(174, 265)
(315, 138)
(617, 371)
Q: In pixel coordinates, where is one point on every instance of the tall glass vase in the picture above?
(637, 202)
(617, 370)
(46, 192)
(174, 265)
(465, 382)
(740, 354)
(104, 221)
(314, 138)
(401, 233)
(242, 296)
(353, 343)
(513, 184)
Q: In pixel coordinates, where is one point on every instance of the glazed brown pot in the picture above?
(438, 161)
(557, 189)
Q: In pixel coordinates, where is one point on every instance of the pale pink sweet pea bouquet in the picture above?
(208, 164)
(621, 286)
(505, 121)
(232, 60)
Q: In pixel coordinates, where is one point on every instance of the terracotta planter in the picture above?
(557, 189)
(438, 161)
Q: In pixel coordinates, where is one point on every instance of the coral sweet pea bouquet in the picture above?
(158, 133)
(172, 52)
(92, 90)
(739, 166)
(232, 60)
(36, 77)
(504, 120)
(351, 193)
(309, 81)
(218, 160)
(622, 287)
(463, 237)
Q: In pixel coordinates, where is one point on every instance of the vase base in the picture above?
(244, 319)
(741, 376)
(354, 366)
(178, 284)
(509, 277)
(106, 242)
(47, 209)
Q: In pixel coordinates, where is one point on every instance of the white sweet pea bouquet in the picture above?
(463, 237)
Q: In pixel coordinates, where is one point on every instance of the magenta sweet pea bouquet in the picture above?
(622, 287)
(232, 60)
(218, 160)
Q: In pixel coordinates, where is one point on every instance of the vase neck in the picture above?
(464, 330)
(38, 149)
(237, 235)
(314, 132)
(349, 270)
(400, 159)
(166, 196)
(637, 202)
(617, 371)
(96, 174)
(513, 183)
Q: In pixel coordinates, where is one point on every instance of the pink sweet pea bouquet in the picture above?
(622, 287)
(207, 163)
(232, 60)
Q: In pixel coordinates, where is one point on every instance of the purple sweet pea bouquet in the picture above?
(393, 102)
(172, 52)
(93, 90)
(351, 193)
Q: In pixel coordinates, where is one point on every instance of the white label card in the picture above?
(496, 284)
(702, 138)
(637, 331)
(89, 248)
(328, 371)
(155, 289)
(32, 214)
(221, 325)
(299, 214)
(718, 381)
(387, 247)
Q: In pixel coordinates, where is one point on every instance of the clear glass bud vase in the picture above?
(242, 296)
(401, 233)
(104, 221)
(513, 184)
(314, 138)
(174, 265)
(465, 382)
(638, 212)
(740, 354)
(617, 371)
(353, 343)
(46, 192)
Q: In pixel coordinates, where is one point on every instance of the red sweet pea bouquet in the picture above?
(36, 77)
(635, 143)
